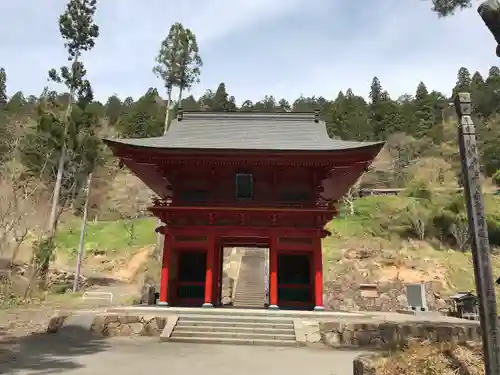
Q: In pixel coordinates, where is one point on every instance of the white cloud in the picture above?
(406, 44)
(285, 48)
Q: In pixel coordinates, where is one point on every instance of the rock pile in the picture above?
(59, 278)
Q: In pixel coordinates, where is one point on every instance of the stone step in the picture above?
(255, 301)
(259, 259)
(250, 296)
(233, 341)
(233, 324)
(252, 289)
(259, 299)
(260, 286)
(259, 329)
(237, 318)
(235, 335)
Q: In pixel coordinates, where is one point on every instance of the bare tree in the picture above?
(19, 202)
(417, 217)
(460, 232)
(351, 196)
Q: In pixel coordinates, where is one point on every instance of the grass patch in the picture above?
(108, 236)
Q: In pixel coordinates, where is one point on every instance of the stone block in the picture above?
(364, 365)
(169, 327)
(56, 322)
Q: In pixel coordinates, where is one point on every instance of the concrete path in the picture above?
(131, 356)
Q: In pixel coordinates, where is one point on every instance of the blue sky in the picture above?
(283, 48)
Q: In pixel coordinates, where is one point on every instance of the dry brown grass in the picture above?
(470, 358)
(426, 359)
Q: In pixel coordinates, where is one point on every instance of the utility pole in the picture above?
(81, 244)
(481, 254)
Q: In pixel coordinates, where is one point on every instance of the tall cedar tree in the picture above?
(178, 63)
(79, 32)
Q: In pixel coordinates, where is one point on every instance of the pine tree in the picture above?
(144, 118)
(480, 94)
(463, 81)
(178, 63)
(16, 103)
(421, 94)
(190, 104)
(349, 117)
(284, 106)
(247, 106)
(128, 102)
(114, 108)
(220, 100)
(375, 91)
(424, 112)
(3, 88)
(446, 8)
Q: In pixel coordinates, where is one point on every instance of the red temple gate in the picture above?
(244, 179)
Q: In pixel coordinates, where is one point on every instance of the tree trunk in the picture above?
(167, 114)
(179, 99)
(82, 235)
(57, 190)
(60, 171)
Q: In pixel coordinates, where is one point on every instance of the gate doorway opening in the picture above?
(245, 274)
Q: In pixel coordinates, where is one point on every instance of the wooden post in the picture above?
(318, 275)
(478, 232)
(209, 273)
(167, 244)
(273, 273)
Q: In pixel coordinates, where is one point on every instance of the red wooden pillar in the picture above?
(164, 280)
(318, 275)
(209, 273)
(273, 273)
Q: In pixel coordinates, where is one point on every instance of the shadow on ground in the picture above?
(43, 353)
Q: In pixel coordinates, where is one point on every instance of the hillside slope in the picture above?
(375, 246)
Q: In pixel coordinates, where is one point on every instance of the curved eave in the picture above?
(152, 145)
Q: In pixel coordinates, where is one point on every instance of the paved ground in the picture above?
(62, 354)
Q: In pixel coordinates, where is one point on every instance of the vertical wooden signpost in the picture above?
(481, 254)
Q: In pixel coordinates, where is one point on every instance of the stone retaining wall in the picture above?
(382, 335)
(110, 325)
(369, 334)
(128, 325)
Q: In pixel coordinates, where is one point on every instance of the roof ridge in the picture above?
(273, 116)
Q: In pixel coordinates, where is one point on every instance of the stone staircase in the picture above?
(241, 325)
(229, 327)
(251, 286)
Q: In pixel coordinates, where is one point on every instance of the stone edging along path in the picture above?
(334, 333)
